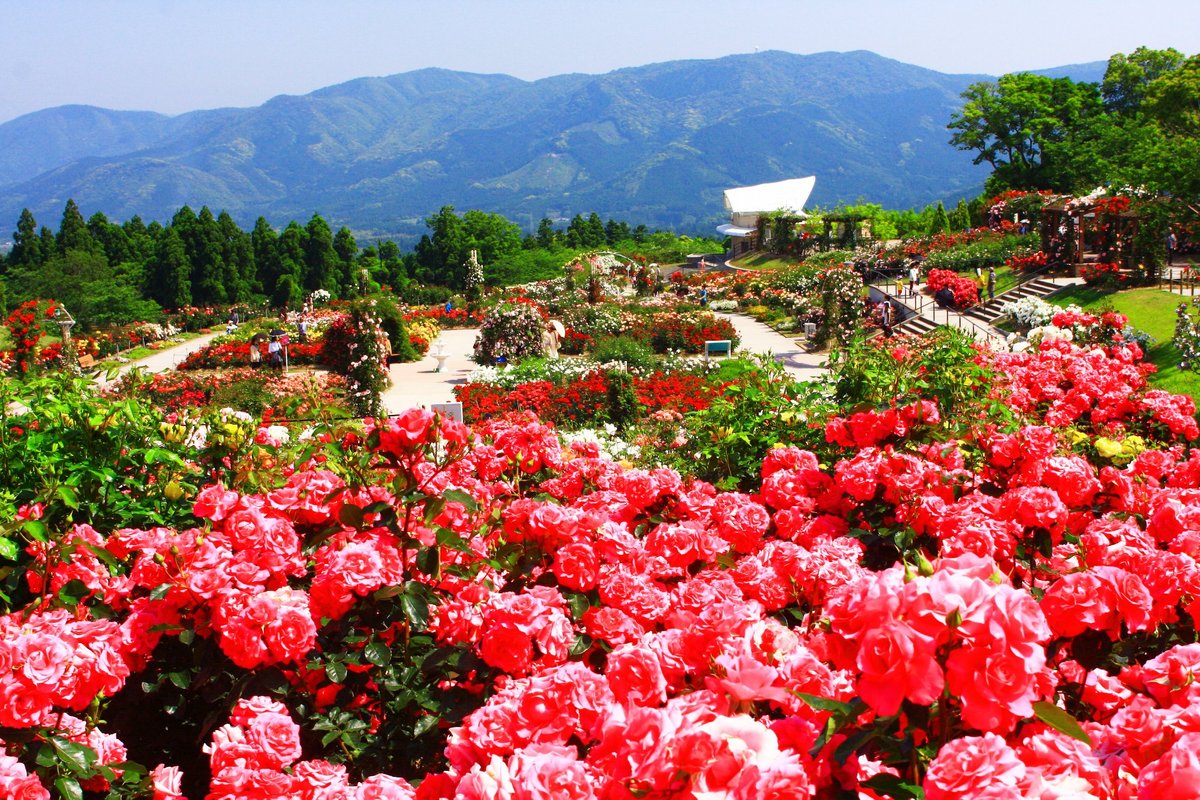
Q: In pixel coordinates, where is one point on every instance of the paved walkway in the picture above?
(163, 360)
(419, 384)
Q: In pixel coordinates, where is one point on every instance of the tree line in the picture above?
(106, 272)
(1138, 128)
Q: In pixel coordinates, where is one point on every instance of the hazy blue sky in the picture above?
(173, 56)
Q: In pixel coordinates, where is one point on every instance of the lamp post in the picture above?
(65, 323)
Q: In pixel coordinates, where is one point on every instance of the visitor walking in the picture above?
(302, 327)
(550, 339)
(887, 317)
(1172, 246)
(275, 353)
(914, 275)
(991, 283)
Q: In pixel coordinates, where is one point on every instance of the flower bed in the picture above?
(583, 400)
(1008, 613)
(228, 354)
(965, 290)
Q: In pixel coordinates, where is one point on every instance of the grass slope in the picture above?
(1153, 311)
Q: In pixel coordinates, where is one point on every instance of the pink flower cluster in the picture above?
(665, 639)
(257, 755)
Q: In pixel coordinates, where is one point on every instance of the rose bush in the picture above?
(968, 604)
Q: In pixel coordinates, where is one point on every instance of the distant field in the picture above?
(1153, 311)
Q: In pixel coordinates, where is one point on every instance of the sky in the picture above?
(173, 56)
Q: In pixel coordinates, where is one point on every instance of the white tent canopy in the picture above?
(748, 202)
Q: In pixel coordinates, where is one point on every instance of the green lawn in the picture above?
(764, 261)
(1153, 311)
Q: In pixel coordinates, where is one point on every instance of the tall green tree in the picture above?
(1017, 124)
(320, 259)
(170, 274)
(346, 250)
(27, 247)
(441, 253)
(237, 252)
(73, 233)
(267, 262)
(547, 236)
(1127, 77)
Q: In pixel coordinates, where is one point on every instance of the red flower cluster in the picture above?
(965, 290)
(234, 354)
(659, 638)
(583, 400)
(1027, 263)
(1102, 273)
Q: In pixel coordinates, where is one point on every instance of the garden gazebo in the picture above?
(747, 203)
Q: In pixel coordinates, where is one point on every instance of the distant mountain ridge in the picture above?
(655, 144)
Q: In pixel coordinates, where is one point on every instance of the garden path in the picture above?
(163, 360)
(759, 338)
(419, 384)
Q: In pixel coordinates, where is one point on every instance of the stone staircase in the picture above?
(988, 312)
(921, 315)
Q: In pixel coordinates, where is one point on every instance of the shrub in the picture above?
(965, 290)
(510, 331)
(626, 350)
(391, 319)
(357, 347)
(990, 251)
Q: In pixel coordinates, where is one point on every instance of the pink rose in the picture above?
(975, 767)
(894, 664)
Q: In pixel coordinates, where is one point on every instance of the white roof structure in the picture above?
(789, 195)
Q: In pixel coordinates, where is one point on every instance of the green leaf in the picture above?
(824, 703)
(415, 608)
(1060, 720)
(78, 758)
(425, 724)
(894, 787)
(351, 516)
(335, 671)
(8, 549)
(429, 560)
(68, 496)
(581, 645)
(160, 591)
(459, 496)
(180, 679)
(377, 653)
(433, 507)
(449, 539)
(579, 605)
(68, 789)
(36, 529)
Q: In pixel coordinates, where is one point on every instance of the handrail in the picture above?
(953, 319)
(1187, 279)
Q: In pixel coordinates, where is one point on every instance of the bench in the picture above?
(86, 361)
(714, 347)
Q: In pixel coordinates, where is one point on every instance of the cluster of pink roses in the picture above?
(666, 639)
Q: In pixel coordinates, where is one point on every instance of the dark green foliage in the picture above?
(636, 354)
(623, 406)
(392, 322)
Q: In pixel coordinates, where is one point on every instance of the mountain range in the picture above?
(652, 145)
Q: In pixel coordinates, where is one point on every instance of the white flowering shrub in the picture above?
(1030, 312)
(510, 331)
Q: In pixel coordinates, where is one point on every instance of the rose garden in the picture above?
(944, 569)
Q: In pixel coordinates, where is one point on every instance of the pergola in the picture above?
(1071, 233)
